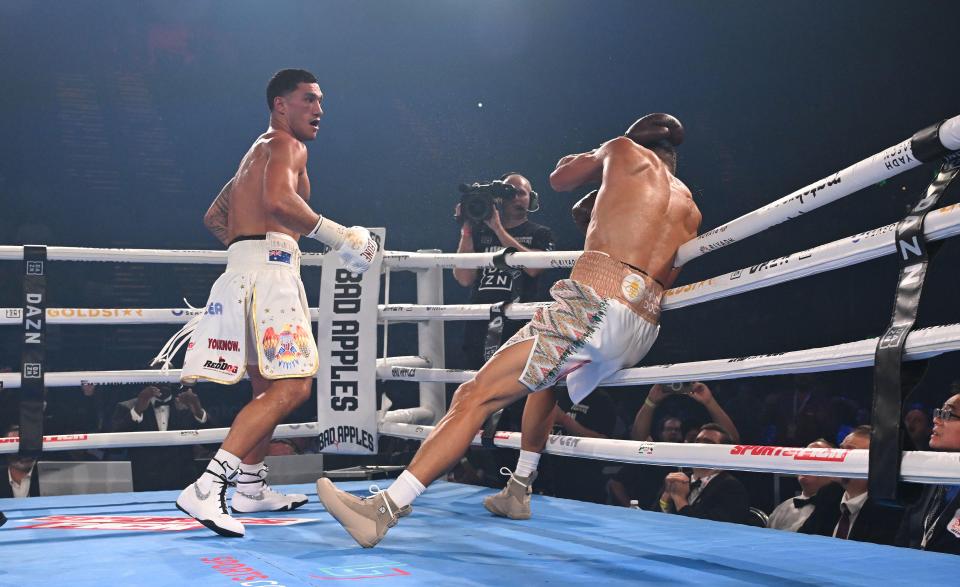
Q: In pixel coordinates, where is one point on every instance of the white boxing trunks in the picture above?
(603, 319)
(257, 313)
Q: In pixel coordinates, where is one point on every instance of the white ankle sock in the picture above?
(527, 463)
(245, 484)
(251, 469)
(405, 489)
(230, 464)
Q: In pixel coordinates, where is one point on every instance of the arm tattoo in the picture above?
(217, 218)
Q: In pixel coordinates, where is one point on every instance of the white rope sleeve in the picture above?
(15, 253)
(921, 344)
(136, 439)
(917, 467)
(77, 378)
(940, 224)
(884, 165)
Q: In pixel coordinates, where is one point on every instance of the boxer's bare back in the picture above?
(641, 214)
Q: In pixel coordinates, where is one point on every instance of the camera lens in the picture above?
(476, 208)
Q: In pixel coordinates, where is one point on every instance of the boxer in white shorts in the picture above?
(257, 319)
(604, 318)
(257, 314)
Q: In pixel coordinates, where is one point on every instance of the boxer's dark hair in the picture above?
(285, 81)
(665, 150)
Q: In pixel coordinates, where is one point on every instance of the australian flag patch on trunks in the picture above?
(278, 256)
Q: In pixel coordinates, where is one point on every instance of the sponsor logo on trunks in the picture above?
(190, 346)
(287, 347)
(954, 527)
(221, 365)
(362, 571)
(278, 256)
(148, 523)
(215, 309)
(220, 344)
(632, 287)
(832, 455)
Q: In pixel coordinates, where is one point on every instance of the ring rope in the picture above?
(155, 438)
(921, 344)
(874, 169)
(940, 224)
(55, 379)
(918, 466)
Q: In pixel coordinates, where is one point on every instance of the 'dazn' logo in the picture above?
(287, 347)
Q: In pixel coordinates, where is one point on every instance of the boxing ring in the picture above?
(450, 539)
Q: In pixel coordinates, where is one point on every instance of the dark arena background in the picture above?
(122, 121)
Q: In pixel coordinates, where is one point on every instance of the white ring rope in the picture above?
(884, 165)
(917, 466)
(939, 224)
(921, 344)
(137, 439)
(77, 378)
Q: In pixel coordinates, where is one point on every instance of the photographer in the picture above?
(506, 226)
(697, 391)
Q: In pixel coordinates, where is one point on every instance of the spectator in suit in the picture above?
(709, 494)
(22, 479)
(794, 512)
(156, 409)
(933, 522)
(643, 483)
(854, 516)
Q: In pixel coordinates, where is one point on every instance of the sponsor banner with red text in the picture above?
(918, 466)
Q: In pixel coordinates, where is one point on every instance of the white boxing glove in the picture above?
(355, 245)
(358, 249)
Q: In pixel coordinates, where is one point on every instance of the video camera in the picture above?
(477, 200)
